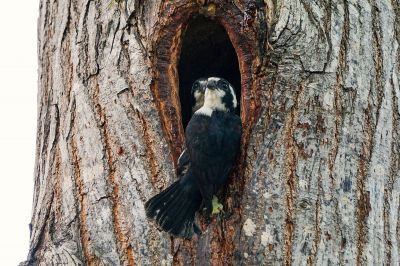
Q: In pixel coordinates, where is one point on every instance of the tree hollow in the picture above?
(195, 44)
(206, 52)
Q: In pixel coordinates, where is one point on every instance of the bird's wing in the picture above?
(213, 144)
(183, 162)
(203, 139)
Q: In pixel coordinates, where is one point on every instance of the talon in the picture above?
(216, 206)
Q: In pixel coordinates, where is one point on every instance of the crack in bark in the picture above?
(363, 197)
(378, 59)
(115, 32)
(131, 22)
(67, 24)
(327, 27)
(57, 189)
(386, 228)
(153, 167)
(321, 31)
(317, 239)
(89, 257)
(37, 246)
(291, 176)
(392, 179)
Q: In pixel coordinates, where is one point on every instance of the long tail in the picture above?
(174, 208)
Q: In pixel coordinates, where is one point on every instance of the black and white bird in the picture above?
(213, 141)
(198, 90)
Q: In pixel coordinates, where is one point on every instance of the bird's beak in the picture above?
(211, 85)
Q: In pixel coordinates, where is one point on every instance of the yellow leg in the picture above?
(216, 206)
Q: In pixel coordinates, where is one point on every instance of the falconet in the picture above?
(213, 141)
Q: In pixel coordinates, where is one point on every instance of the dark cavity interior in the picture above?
(206, 52)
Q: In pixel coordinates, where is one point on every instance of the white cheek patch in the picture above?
(234, 96)
(199, 100)
(197, 95)
(199, 103)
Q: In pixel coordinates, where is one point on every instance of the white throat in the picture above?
(212, 102)
(204, 111)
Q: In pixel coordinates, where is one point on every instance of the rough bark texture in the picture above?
(318, 179)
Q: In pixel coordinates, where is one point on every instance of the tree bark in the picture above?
(318, 178)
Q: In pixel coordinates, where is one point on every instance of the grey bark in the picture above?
(319, 174)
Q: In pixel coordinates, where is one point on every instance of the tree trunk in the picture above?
(318, 178)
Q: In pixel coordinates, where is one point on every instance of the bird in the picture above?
(197, 91)
(213, 137)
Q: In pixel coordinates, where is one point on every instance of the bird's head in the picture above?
(220, 95)
(198, 90)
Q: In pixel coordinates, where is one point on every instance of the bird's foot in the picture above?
(216, 206)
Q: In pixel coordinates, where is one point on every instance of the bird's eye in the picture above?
(195, 87)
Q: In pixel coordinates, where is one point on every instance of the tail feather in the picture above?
(186, 210)
(186, 219)
(177, 222)
(169, 194)
(170, 210)
(154, 203)
(174, 208)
